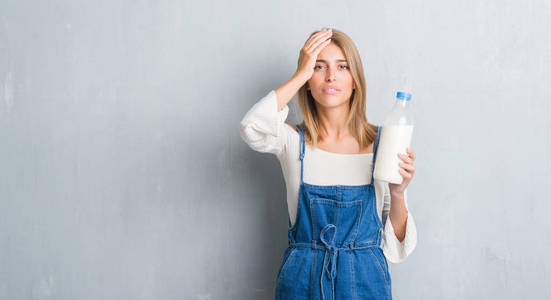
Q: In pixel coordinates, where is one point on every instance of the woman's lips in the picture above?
(330, 91)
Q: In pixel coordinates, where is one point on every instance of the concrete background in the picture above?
(123, 176)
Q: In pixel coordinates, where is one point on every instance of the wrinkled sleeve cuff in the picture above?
(262, 126)
(394, 250)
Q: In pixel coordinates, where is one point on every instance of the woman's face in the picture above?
(331, 71)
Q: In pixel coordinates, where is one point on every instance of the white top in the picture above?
(263, 128)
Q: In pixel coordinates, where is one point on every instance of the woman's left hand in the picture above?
(406, 170)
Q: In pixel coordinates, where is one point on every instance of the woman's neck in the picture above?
(333, 122)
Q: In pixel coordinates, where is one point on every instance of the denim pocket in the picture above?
(345, 214)
(370, 278)
(289, 253)
(381, 265)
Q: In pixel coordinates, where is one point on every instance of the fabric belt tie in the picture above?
(330, 258)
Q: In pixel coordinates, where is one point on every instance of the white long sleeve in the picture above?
(394, 250)
(263, 128)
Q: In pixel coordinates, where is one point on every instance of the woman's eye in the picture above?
(344, 67)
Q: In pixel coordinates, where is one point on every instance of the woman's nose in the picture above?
(330, 75)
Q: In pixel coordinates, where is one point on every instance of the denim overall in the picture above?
(334, 246)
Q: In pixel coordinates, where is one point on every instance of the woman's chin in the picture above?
(329, 102)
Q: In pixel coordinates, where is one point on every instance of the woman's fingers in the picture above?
(317, 50)
(317, 39)
(405, 158)
(405, 174)
(407, 167)
(310, 51)
(411, 153)
(312, 40)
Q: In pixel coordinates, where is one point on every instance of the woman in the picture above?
(338, 245)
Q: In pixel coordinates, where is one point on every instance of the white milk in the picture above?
(394, 139)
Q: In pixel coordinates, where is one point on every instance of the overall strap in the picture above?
(376, 144)
(301, 147)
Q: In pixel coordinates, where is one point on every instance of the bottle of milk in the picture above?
(395, 138)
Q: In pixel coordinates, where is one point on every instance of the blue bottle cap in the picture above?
(403, 95)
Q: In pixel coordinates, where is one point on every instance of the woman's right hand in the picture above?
(310, 50)
(309, 54)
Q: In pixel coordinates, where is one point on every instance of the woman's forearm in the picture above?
(286, 92)
(398, 215)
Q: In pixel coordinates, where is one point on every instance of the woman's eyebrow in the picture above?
(338, 60)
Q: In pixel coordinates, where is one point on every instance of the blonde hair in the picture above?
(364, 132)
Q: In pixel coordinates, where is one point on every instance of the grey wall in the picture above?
(123, 176)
